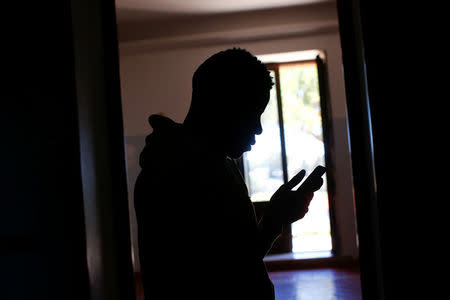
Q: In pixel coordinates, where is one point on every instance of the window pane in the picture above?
(262, 165)
(305, 149)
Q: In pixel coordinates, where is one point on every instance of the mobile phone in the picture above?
(317, 172)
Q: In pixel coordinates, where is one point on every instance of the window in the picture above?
(295, 137)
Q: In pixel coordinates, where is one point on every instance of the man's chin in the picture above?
(237, 153)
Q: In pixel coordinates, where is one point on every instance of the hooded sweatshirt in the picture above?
(198, 233)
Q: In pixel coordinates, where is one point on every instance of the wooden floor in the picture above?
(309, 284)
(323, 284)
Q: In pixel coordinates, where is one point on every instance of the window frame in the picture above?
(284, 242)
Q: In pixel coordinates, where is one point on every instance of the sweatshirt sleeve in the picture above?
(267, 231)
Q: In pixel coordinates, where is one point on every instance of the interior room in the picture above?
(161, 43)
(352, 79)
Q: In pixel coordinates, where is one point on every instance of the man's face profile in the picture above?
(244, 122)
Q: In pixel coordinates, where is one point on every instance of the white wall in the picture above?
(159, 81)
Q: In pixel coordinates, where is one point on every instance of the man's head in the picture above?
(230, 91)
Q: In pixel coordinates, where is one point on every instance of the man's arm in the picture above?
(268, 232)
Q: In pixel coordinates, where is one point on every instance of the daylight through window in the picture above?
(292, 140)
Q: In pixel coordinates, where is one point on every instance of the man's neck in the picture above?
(203, 137)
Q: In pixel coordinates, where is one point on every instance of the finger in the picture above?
(316, 184)
(309, 197)
(313, 184)
(295, 180)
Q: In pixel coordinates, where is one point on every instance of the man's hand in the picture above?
(287, 206)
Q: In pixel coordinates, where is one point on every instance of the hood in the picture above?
(162, 141)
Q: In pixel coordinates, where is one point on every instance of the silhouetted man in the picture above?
(198, 234)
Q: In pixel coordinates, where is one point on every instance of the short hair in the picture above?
(230, 69)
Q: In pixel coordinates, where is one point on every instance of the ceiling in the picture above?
(133, 10)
